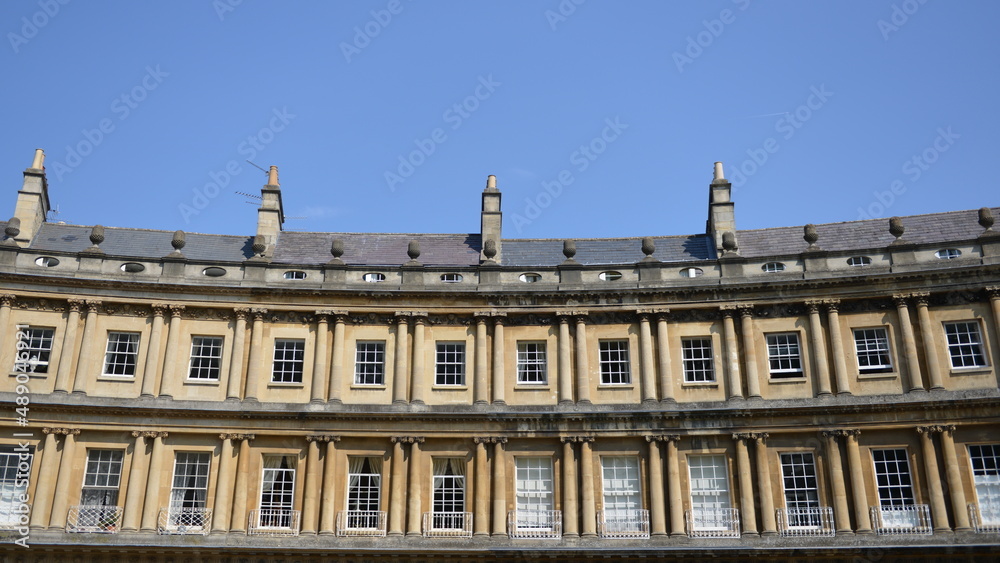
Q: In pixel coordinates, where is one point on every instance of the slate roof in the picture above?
(872, 233)
(142, 243)
(378, 248)
(548, 252)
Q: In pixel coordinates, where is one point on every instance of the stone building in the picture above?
(786, 392)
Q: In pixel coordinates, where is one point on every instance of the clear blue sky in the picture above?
(838, 96)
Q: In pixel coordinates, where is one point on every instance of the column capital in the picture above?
(663, 438)
(93, 305)
(158, 309)
(813, 305)
(921, 298)
(74, 304)
(322, 438)
(407, 439)
(993, 291)
(830, 434)
(154, 434)
(928, 430)
(745, 309)
(323, 315)
(949, 428)
(900, 299)
(760, 437)
(258, 313)
(176, 310)
(576, 439)
(743, 436)
(490, 439)
(499, 318)
(7, 299)
(849, 432)
(62, 431)
(832, 305)
(241, 313)
(419, 318)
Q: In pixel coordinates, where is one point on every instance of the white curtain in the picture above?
(449, 466)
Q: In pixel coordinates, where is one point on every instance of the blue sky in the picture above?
(598, 118)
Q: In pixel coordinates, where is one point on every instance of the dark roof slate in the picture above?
(378, 248)
(548, 252)
(142, 243)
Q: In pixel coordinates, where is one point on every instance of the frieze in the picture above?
(33, 304)
(449, 320)
(371, 319)
(779, 310)
(957, 297)
(694, 315)
(531, 319)
(870, 305)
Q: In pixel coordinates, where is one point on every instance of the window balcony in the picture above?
(361, 523)
(806, 522)
(447, 525)
(623, 523)
(991, 526)
(94, 519)
(184, 521)
(712, 522)
(534, 524)
(912, 520)
(14, 515)
(274, 522)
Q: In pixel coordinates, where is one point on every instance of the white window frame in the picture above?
(534, 492)
(985, 462)
(13, 483)
(800, 483)
(206, 358)
(289, 360)
(694, 366)
(784, 355)
(34, 349)
(449, 363)
(710, 492)
(102, 477)
(621, 486)
(369, 362)
(894, 486)
(532, 368)
(448, 493)
(188, 485)
(364, 492)
(876, 344)
(121, 356)
(270, 477)
(616, 367)
(966, 349)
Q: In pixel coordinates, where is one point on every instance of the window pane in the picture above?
(34, 346)
(698, 359)
(289, 357)
(986, 477)
(965, 345)
(13, 483)
(369, 363)
(206, 357)
(783, 355)
(872, 347)
(614, 362)
(531, 366)
(450, 365)
(122, 353)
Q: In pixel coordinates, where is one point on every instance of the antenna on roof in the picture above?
(258, 167)
(256, 197)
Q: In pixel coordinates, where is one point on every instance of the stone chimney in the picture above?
(721, 212)
(271, 214)
(491, 221)
(33, 199)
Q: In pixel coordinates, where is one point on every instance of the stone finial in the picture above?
(413, 250)
(337, 250)
(259, 246)
(490, 249)
(12, 229)
(569, 249)
(177, 242)
(648, 246)
(729, 242)
(96, 238)
(986, 218)
(896, 227)
(811, 236)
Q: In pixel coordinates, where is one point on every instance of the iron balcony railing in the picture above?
(623, 523)
(806, 522)
(94, 519)
(16, 516)
(976, 518)
(184, 521)
(368, 523)
(534, 524)
(911, 520)
(712, 522)
(274, 522)
(447, 524)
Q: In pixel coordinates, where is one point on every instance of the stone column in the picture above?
(413, 510)
(238, 523)
(994, 293)
(674, 496)
(954, 473)
(337, 360)
(764, 486)
(6, 300)
(64, 484)
(318, 392)
(861, 516)
(171, 356)
(582, 362)
(45, 488)
(481, 519)
(837, 346)
(747, 512)
(310, 500)
(224, 486)
(132, 511)
(397, 487)
(257, 358)
(663, 356)
(151, 506)
(657, 503)
(499, 488)
(909, 345)
(939, 514)
(930, 347)
(499, 374)
(565, 373)
(818, 349)
(86, 348)
(732, 354)
(480, 391)
(571, 513)
(68, 346)
(646, 354)
(235, 383)
(588, 508)
(841, 514)
(418, 383)
(750, 352)
(153, 351)
(328, 504)
(399, 369)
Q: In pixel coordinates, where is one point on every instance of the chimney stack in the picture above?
(33, 199)
(721, 210)
(271, 214)
(491, 219)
